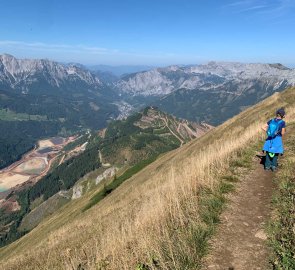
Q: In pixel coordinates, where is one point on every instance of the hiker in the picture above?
(273, 146)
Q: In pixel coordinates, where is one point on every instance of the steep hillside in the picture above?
(145, 134)
(161, 217)
(281, 227)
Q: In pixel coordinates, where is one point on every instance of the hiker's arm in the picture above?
(283, 131)
(265, 127)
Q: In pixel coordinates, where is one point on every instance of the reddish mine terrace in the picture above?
(33, 165)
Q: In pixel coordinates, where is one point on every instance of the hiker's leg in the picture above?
(267, 163)
(275, 160)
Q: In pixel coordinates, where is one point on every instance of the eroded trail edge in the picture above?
(241, 242)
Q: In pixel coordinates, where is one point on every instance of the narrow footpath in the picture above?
(240, 241)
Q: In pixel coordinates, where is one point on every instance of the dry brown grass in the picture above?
(152, 217)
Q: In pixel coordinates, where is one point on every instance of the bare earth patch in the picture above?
(240, 242)
(45, 143)
(9, 180)
(33, 166)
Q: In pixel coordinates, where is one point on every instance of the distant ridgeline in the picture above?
(142, 136)
(211, 92)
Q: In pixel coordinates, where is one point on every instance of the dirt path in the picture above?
(62, 160)
(167, 125)
(105, 165)
(192, 133)
(240, 241)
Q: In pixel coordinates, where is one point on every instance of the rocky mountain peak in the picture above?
(22, 72)
(162, 81)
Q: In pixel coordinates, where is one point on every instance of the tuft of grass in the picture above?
(226, 187)
(142, 266)
(230, 178)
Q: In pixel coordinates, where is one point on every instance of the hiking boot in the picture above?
(273, 168)
(267, 168)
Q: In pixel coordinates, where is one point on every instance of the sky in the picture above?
(149, 32)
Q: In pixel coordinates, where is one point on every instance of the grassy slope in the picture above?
(155, 217)
(282, 226)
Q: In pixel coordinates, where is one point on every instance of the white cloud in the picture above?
(56, 47)
(90, 54)
(275, 8)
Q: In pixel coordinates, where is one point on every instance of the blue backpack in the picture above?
(273, 128)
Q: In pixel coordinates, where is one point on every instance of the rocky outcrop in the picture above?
(108, 173)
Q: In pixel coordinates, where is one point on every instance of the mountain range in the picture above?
(209, 77)
(56, 98)
(211, 92)
(42, 75)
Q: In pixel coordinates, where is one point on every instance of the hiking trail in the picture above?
(240, 242)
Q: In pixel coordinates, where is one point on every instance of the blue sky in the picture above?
(149, 32)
